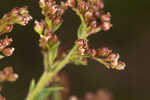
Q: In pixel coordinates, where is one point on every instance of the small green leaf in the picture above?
(32, 85)
(1, 56)
(80, 30)
(46, 92)
(57, 27)
(53, 52)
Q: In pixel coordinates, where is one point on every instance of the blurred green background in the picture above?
(130, 36)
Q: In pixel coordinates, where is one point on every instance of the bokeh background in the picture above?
(130, 36)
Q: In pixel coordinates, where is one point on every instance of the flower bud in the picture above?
(121, 65)
(106, 17)
(81, 51)
(100, 4)
(38, 27)
(89, 15)
(8, 70)
(103, 51)
(106, 26)
(113, 57)
(57, 21)
(5, 42)
(70, 3)
(12, 77)
(93, 24)
(8, 51)
(83, 6)
(42, 3)
(97, 14)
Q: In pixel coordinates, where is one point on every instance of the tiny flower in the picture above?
(23, 10)
(8, 51)
(15, 12)
(42, 3)
(97, 14)
(89, 15)
(82, 6)
(113, 57)
(12, 77)
(57, 21)
(100, 4)
(8, 70)
(106, 17)
(81, 51)
(106, 26)
(38, 27)
(5, 42)
(80, 42)
(121, 65)
(93, 24)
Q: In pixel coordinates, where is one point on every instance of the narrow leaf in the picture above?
(57, 27)
(80, 30)
(32, 85)
(53, 52)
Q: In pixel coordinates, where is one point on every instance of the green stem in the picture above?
(47, 76)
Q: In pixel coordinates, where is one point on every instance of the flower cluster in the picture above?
(92, 14)
(8, 75)
(104, 55)
(4, 43)
(15, 16)
(53, 13)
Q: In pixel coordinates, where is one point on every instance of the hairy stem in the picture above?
(47, 76)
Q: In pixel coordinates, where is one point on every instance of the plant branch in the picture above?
(48, 76)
